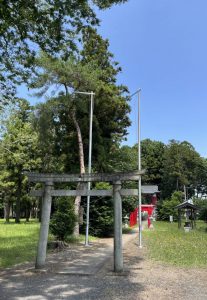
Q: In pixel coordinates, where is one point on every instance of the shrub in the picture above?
(101, 217)
(167, 207)
(202, 206)
(63, 219)
(102, 212)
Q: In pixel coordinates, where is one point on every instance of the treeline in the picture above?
(173, 167)
(42, 138)
(178, 170)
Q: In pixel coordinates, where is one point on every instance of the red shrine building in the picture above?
(149, 198)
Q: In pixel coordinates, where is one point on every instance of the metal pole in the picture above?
(185, 192)
(89, 168)
(139, 168)
(89, 160)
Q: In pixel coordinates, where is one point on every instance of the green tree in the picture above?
(70, 74)
(122, 159)
(200, 181)
(167, 207)
(181, 163)
(26, 26)
(202, 208)
(69, 112)
(18, 152)
(111, 108)
(63, 219)
(152, 161)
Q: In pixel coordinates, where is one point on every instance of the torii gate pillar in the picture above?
(118, 255)
(44, 227)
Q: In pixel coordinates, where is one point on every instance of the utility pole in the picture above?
(89, 169)
(139, 169)
(89, 160)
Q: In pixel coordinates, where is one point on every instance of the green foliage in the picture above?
(111, 107)
(202, 208)
(123, 159)
(63, 219)
(201, 178)
(93, 70)
(203, 213)
(47, 25)
(167, 207)
(68, 74)
(152, 161)
(101, 214)
(18, 152)
(181, 167)
(169, 166)
(101, 220)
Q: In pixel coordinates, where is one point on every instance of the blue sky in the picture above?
(162, 48)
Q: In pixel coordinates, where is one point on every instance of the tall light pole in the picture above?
(139, 169)
(89, 160)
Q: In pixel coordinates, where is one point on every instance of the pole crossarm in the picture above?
(101, 177)
(85, 192)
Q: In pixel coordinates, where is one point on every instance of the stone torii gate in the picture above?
(48, 192)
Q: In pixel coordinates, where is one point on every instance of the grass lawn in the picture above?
(18, 242)
(168, 244)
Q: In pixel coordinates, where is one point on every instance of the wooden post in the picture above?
(44, 227)
(194, 218)
(179, 218)
(118, 255)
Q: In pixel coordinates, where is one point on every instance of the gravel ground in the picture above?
(142, 279)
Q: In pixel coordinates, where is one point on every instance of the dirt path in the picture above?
(157, 281)
(142, 279)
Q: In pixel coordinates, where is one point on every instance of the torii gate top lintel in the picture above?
(101, 177)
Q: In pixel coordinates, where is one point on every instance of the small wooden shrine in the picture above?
(189, 210)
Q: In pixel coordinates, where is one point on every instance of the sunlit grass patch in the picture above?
(79, 239)
(18, 242)
(167, 243)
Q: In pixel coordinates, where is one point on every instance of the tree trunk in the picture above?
(82, 170)
(80, 143)
(6, 209)
(18, 199)
(77, 207)
(27, 213)
(177, 185)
